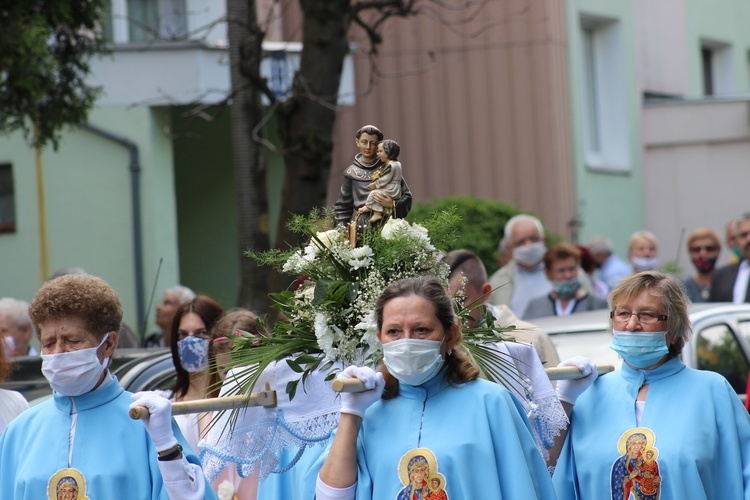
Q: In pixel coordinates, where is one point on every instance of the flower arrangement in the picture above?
(329, 318)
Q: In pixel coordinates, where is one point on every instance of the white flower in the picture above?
(311, 252)
(419, 228)
(420, 233)
(327, 237)
(369, 328)
(360, 257)
(324, 334)
(361, 252)
(393, 227)
(294, 263)
(225, 491)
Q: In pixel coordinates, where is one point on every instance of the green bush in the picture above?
(482, 223)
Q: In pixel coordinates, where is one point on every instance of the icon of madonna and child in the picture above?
(418, 472)
(635, 475)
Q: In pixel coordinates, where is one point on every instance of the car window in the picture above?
(744, 327)
(719, 351)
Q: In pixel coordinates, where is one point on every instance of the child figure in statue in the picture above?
(358, 176)
(386, 182)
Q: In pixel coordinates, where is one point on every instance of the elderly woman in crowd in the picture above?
(643, 251)
(561, 263)
(15, 327)
(436, 418)
(704, 246)
(654, 429)
(173, 298)
(83, 435)
(194, 361)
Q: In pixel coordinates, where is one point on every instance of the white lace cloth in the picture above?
(262, 435)
(536, 394)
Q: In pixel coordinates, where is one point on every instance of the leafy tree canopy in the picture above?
(45, 46)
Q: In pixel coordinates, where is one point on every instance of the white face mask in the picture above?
(529, 255)
(413, 361)
(644, 263)
(74, 373)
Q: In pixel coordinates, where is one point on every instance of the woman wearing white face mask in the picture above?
(83, 435)
(436, 419)
(643, 251)
(654, 429)
(193, 358)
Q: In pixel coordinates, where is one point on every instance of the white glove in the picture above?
(357, 402)
(159, 422)
(569, 390)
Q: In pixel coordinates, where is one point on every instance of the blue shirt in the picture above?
(477, 432)
(693, 420)
(613, 270)
(112, 451)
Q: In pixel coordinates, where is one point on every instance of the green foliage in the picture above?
(482, 223)
(44, 50)
(481, 227)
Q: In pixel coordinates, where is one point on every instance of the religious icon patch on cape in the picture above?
(418, 471)
(67, 484)
(635, 474)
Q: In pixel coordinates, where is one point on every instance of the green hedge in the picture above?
(481, 227)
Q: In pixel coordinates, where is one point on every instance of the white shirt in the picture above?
(528, 285)
(12, 403)
(740, 284)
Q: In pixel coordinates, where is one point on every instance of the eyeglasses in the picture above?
(709, 248)
(645, 317)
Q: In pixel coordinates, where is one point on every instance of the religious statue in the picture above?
(364, 170)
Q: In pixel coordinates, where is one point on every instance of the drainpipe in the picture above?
(135, 196)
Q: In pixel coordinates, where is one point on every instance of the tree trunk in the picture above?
(306, 120)
(245, 52)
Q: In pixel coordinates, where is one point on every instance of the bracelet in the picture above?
(176, 452)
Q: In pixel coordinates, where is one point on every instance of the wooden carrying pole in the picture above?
(266, 398)
(560, 373)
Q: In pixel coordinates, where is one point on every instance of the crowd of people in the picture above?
(427, 426)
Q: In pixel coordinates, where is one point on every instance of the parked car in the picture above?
(137, 369)
(720, 340)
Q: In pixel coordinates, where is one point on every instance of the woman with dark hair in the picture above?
(467, 430)
(193, 358)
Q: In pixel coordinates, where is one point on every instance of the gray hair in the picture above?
(508, 230)
(503, 246)
(601, 244)
(64, 271)
(15, 310)
(741, 218)
(182, 293)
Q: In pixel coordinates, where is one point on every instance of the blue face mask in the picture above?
(566, 289)
(640, 349)
(193, 352)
